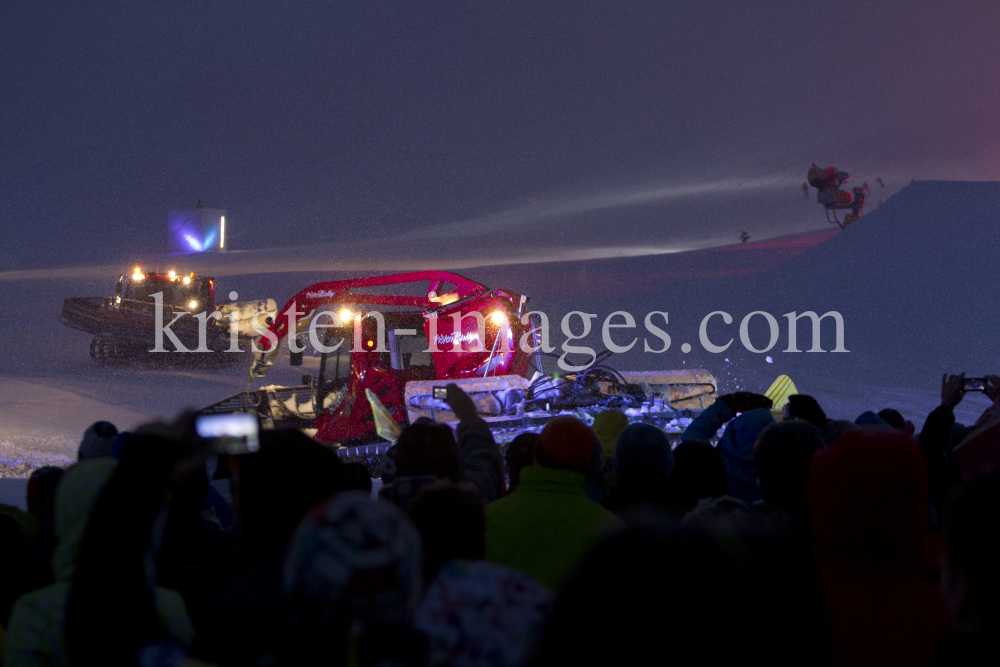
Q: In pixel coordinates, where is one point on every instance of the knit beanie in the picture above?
(568, 440)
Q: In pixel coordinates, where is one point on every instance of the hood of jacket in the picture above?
(741, 434)
(736, 447)
(75, 497)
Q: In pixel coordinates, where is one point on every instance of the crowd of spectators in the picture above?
(785, 537)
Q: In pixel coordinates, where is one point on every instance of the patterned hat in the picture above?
(479, 613)
(353, 558)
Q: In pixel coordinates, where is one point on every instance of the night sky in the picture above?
(504, 128)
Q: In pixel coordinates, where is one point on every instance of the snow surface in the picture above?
(914, 280)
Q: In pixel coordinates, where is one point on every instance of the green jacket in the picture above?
(546, 526)
(35, 633)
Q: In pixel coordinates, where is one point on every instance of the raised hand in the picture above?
(744, 401)
(459, 402)
(992, 388)
(952, 389)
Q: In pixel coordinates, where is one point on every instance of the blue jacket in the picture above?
(735, 445)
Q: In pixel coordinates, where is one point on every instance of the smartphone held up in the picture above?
(975, 384)
(237, 433)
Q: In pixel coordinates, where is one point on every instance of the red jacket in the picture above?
(873, 547)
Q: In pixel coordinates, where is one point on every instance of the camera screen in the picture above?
(975, 384)
(230, 434)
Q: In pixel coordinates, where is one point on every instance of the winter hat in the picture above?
(893, 418)
(834, 429)
(643, 451)
(869, 418)
(96, 443)
(118, 444)
(568, 440)
(607, 425)
(353, 558)
(480, 613)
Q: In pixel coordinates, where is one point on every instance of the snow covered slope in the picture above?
(914, 279)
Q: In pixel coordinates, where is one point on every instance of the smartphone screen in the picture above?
(440, 393)
(237, 433)
(975, 384)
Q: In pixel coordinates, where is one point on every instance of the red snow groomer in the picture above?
(374, 360)
(833, 199)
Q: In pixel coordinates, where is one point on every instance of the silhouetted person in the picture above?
(41, 500)
(868, 509)
(970, 578)
(355, 477)
(783, 455)
(14, 552)
(97, 440)
(893, 418)
(546, 526)
(274, 488)
(481, 613)
(943, 474)
(699, 472)
(520, 453)
(736, 443)
(350, 584)
(834, 429)
(801, 406)
(106, 523)
(643, 461)
(451, 523)
(426, 451)
(669, 593)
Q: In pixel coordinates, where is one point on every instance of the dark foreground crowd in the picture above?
(804, 541)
